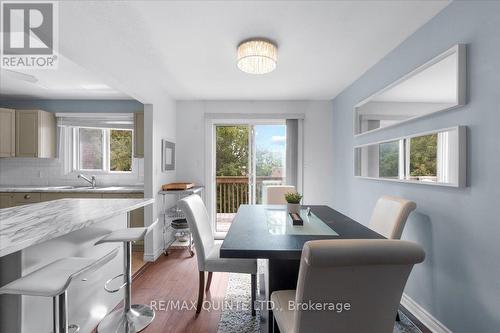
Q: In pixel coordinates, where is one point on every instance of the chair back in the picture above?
(358, 282)
(199, 225)
(276, 194)
(390, 214)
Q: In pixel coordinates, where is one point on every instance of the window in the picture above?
(434, 158)
(389, 159)
(102, 149)
(423, 157)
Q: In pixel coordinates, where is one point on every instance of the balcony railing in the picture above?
(233, 191)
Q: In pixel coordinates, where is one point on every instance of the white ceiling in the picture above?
(188, 48)
(68, 81)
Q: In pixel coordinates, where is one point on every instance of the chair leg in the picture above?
(200, 292)
(253, 292)
(209, 281)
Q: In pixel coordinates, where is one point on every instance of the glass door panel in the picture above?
(248, 159)
(270, 158)
(231, 172)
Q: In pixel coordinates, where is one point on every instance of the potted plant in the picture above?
(293, 202)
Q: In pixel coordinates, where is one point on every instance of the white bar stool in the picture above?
(133, 317)
(53, 280)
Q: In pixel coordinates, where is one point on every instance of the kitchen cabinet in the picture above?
(48, 196)
(20, 199)
(7, 132)
(6, 200)
(139, 134)
(35, 134)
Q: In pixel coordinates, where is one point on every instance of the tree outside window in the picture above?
(108, 150)
(423, 156)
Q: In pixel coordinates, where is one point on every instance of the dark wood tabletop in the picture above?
(249, 236)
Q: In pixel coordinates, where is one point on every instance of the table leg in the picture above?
(279, 275)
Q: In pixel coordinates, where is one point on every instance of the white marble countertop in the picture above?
(23, 226)
(72, 189)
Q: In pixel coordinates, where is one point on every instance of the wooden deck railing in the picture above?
(233, 191)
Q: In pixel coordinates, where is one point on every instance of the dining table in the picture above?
(267, 232)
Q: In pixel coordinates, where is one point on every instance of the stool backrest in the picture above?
(390, 214)
(199, 224)
(358, 282)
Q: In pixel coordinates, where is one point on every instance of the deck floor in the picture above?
(224, 221)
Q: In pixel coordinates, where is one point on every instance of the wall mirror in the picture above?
(434, 158)
(436, 86)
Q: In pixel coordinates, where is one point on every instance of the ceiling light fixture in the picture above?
(257, 56)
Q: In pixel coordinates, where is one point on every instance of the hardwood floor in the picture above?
(137, 261)
(175, 277)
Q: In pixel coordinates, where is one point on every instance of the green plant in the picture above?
(293, 197)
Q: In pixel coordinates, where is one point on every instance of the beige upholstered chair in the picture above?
(366, 277)
(276, 194)
(389, 216)
(207, 251)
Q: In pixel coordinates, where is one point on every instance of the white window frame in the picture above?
(458, 162)
(75, 151)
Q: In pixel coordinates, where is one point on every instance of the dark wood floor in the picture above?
(175, 277)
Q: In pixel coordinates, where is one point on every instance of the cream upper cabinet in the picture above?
(7, 132)
(35, 134)
(139, 134)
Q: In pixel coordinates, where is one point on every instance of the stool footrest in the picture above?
(111, 280)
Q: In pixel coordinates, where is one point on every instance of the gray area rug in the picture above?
(236, 315)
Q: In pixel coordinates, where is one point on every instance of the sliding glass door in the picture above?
(248, 158)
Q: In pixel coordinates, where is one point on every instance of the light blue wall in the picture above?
(459, 283)
(75, 105)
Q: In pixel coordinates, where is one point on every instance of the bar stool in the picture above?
(53, 280)
(133, 317)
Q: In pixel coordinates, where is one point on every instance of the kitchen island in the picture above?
(32, 236)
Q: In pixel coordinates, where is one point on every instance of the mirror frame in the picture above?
(460, 50)
(461, 165)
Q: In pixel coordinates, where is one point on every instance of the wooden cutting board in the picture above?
(177, 186)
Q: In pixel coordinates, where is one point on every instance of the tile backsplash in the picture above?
(43, 172)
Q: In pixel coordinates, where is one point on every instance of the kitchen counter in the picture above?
(24, 226)
(34, 235)
(72, 189)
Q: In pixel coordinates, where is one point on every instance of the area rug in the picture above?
(236, 315)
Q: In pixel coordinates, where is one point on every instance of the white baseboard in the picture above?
(423, 316)
(153, 256)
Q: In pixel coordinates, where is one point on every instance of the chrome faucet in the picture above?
(91, 181)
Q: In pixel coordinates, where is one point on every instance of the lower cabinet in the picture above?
(25, 198)
(47, 196)
(6, 200)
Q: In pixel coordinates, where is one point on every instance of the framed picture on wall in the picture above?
(168, 155)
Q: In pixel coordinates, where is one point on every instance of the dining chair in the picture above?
(276, 194)
(347, 286)
(389, 216)
(207, 251)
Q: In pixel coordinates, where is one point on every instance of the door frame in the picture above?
(210, 137)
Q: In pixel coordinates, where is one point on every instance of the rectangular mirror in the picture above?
(436, 86)
(436, 158)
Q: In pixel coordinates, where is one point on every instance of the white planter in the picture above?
(293, 208)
